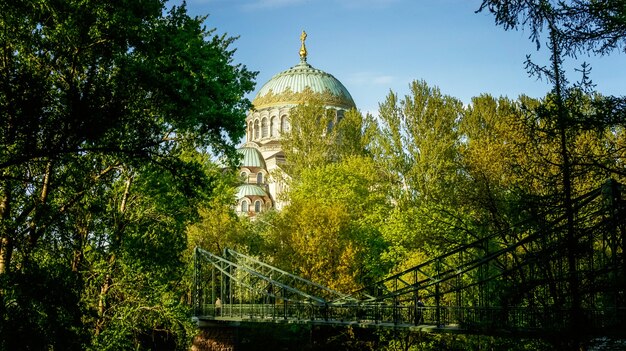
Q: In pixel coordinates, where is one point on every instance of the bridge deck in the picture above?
(205, 321)
(443, 319)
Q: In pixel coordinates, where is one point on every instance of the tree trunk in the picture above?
(573, 281)
(6, 243)
(102, 302)
(102, 305)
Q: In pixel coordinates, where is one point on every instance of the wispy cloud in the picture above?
(382, 79)
(265, 4)
(367, 4)
(370, 78)
(192, 3)
(352, 4)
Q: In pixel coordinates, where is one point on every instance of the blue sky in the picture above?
(374, 46)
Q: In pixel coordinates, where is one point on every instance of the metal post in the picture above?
(459, 311)
(438, 307)
(395, 302)
(222, 288)
(284, 305)
(196, 284)
(620, 227)
(616, 209)
(415, 298)
(229, 290)
(213, 288)
(437, 297)
(416, 310)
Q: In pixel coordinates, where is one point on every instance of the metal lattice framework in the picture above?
(243, 282)
(307, 289)
(518, 280)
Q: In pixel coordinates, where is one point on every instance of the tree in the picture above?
(328, 232)
(320, 136)
(494, 158)
(583, 25)
(219, 227)
(416, 148)
(310, 141)
(136, 264)
(580, 25)
(355, 134)
(100, 105)
(417, 141)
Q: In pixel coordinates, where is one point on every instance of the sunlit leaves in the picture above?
(417, 141)
(101, 106)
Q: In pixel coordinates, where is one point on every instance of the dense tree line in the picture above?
(436, 173)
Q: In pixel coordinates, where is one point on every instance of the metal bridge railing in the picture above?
(492, 319)
(516, 280)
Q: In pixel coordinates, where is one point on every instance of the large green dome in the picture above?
(300, 83)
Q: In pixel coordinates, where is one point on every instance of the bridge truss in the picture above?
(519, 280)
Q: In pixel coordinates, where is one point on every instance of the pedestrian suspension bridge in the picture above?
(538, 277)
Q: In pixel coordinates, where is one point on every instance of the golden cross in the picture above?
(303, 47)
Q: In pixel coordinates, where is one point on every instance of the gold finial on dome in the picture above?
(303, 47)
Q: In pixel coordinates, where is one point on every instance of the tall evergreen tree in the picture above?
(571, 27)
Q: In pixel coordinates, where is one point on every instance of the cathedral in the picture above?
(262, 183)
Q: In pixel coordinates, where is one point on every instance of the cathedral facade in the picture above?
(262, 183)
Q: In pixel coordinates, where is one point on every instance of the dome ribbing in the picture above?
(301, 83)
(251, 157)
(249, 190)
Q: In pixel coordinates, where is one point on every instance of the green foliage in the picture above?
(416, 149)
(219, 227)
(42, 308)
(399, 340)
(317, 244)
(310, 141)
(584, 25)
(331, 239)
(102, 108)
(320, 136)
(417, 143)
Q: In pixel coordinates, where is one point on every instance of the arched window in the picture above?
(256, 129)
(339, 115)
(264, 129)
(284, 124)
(257, 206)
(244, 206)
(259, 178)
(243, 176)
(273, 126)
(250, 131)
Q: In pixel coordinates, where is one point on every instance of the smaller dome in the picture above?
(250, 190)
(251, 157)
